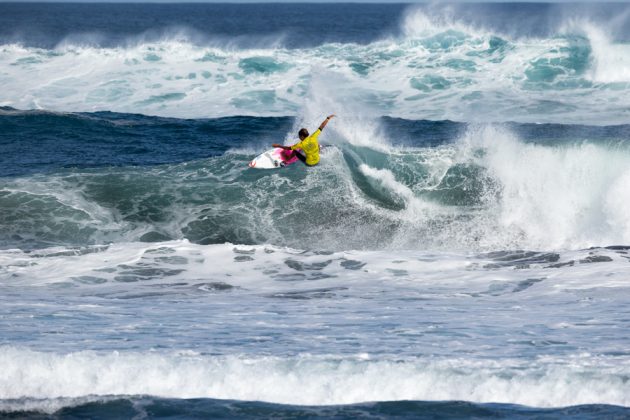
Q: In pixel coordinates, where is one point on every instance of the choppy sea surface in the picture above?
(462, 250)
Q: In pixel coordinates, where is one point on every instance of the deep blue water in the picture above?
(42, 142)
(34, 142)
(299, 25)
(217, 409)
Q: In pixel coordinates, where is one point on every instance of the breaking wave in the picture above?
(438, 67)
(306, 380)
(389, 184)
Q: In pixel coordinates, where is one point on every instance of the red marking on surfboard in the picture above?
(278, 158)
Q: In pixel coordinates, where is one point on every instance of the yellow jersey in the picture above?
(310, 146)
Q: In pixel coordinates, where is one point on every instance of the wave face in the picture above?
(439, 185)
(435, 63)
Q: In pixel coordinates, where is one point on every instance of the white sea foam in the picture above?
(609, 60)
(438, 70)
(242, 266)
(311, 380)
(553, 197)
(534, 197)
(237, 305)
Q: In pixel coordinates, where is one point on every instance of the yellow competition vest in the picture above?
(310, 146)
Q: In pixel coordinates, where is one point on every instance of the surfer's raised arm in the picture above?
(306, 150)
(304, 134)
(323, 124)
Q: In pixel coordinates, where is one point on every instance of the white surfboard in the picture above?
(274, 158)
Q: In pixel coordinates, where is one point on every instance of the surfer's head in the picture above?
(303, 133)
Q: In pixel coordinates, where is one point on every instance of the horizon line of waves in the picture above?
(175, 34)
(415, 22)
(400, 131)
(554, 21)
(323, 380)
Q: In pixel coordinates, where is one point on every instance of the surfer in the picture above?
(308, 144)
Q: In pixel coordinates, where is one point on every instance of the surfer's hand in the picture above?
(323, 124)
(277, 145)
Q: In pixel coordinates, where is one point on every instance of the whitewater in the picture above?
(432, 67)
(461, 250)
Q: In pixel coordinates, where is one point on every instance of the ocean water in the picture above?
(462, 250)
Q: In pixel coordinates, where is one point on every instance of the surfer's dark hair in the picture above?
(303, 133)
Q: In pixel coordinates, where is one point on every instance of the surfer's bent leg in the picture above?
(300, 156)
